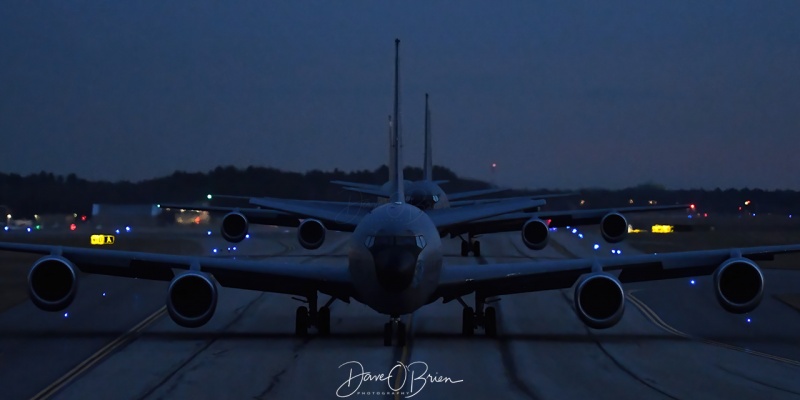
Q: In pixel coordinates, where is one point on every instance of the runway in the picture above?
(674, 341)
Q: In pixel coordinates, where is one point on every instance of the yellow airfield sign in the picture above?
(99, 240)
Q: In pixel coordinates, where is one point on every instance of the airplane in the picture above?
(395, 267)
(533, 224)
(426, 193)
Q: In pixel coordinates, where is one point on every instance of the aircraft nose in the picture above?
(395, 268)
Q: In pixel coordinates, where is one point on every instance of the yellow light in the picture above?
(662, 229)
(100, 240)
(747, 202)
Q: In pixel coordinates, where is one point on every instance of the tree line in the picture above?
(45, 192)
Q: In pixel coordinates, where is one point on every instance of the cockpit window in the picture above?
(401, 240)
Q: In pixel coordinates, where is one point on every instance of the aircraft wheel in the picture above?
(301, 321)
(401, 334)
(464, 249)
(468, 321)
(324, 321)
(387, 334)
(490, 322)
(476, 248)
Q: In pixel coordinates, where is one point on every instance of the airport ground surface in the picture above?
(674, 340)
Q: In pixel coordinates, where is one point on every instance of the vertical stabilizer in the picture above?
(427, 169)
(392, 155)
(396, 178)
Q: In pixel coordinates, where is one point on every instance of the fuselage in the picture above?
(395, 259)
(425, 195)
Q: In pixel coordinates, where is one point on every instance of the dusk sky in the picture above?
(561, 94)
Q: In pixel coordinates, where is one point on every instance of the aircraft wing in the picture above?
(590, 217)
(376, 191)
(514, 221)
(532, 276)
(475, 193)
(344, 215)
(356, 185)
(254, 215)
(460, 203)
(448, 218)
(288, 278)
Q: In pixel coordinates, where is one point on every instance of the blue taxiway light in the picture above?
(749, 320)
(66, 315)
(247, 236)
(117, 231)
(574, 230)
(692, 282)
(209, 233)
(215, 250)
(104, 294)
(580, 235)
(596, 246)
(6, 228)
(127, 229)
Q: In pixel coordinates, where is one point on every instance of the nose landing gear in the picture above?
(395, 325)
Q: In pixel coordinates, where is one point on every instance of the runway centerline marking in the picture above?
(99, 355)
(656, 320)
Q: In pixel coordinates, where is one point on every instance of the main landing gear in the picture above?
(305, 317)
(395, 325)
(470, 245)
(480, 316)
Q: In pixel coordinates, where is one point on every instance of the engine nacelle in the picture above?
(234, 227)
(191, 299)
(614, 227)
(535, 234)
(52, 283)
(739, 285)
(599, 300)
(311, 234)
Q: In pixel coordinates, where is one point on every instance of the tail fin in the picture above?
(392, 154)
(396, 178)
(427, 169)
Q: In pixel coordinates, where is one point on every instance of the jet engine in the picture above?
(614, 227)
(535, 234)
(311, 234)
(52, 283)
(599, 300)
(739, 285)
(234, 227)
(191, 299)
